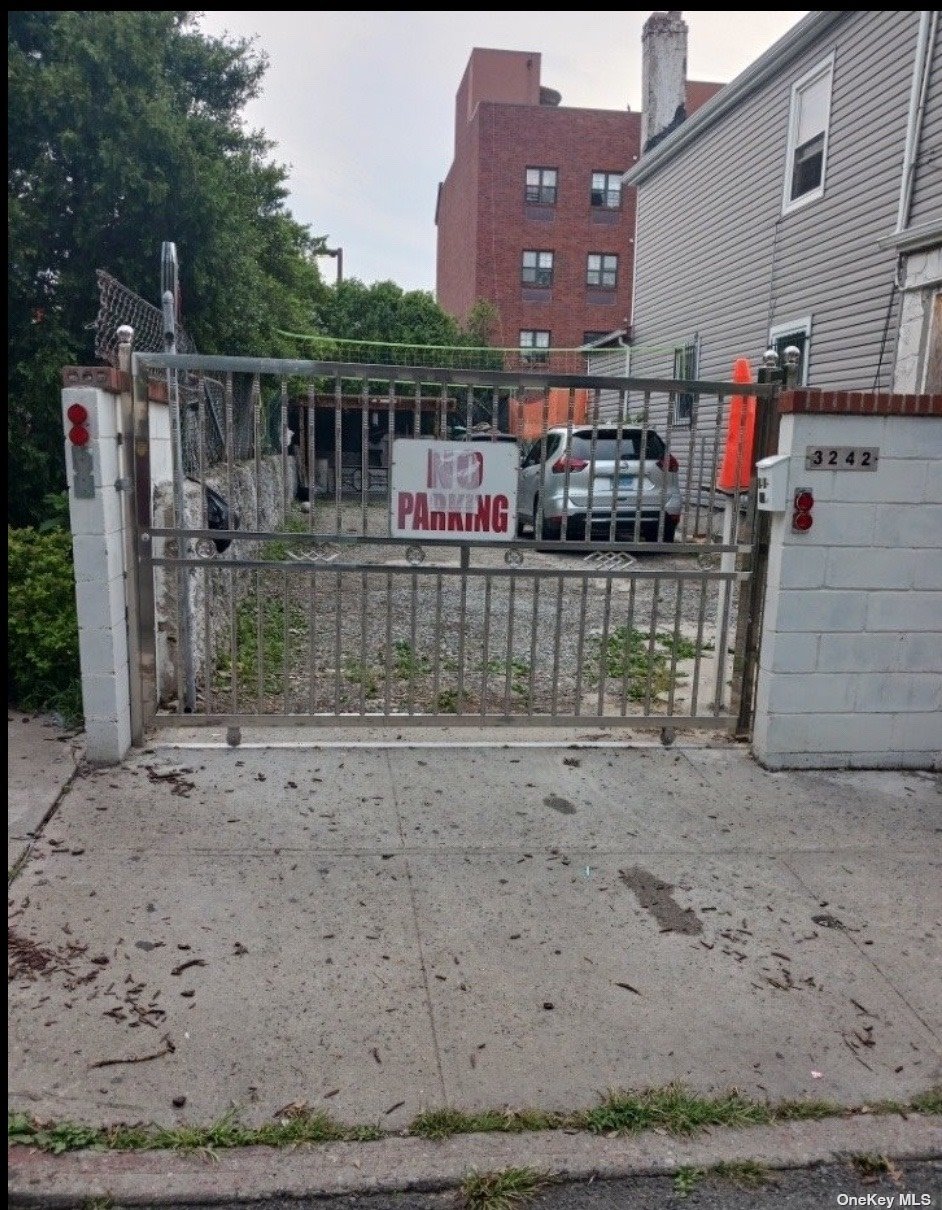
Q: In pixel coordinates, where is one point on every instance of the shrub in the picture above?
(42, 627)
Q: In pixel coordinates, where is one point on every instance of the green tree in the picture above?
(124, 130)
(385, 312)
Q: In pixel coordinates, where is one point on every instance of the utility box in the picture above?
(772, 478)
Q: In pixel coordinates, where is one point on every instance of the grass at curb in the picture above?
(744, 1174)
(672, 1108)
(505, 1190)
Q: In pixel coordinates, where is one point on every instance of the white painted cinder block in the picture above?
(790, 652)
(820, 611)
(919, 652)
(103, 649)
(800, 692)
(823, 431)
(93, 557)
(932, 493)
(911, 437)
(904, 611)
(859, 652)
(867, 567)
(919, 733)
(100, 695)
(893, 692)
(927, 572)
(803, 567)
(896, 481)
(107, 741)
(918, 525)
(845, 732)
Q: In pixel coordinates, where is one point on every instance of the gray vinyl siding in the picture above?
(692, 444)
(715, 255)
(614, 362)
(927, 184)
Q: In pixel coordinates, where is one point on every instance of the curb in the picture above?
(253, 1174)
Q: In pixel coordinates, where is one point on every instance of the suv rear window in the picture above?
(606, 445)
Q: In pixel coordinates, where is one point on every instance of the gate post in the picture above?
(751, 602)
(92, 440)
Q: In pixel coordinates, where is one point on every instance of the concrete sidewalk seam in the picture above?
(36, 833)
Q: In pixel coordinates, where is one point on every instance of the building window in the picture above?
(601, 270)
(606, 190)
(685, 367)
(534, 346)
(541, 186)
(806, 158)
(798, 334)
(536, 268)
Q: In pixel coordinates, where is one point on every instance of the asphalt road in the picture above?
(796, 1189)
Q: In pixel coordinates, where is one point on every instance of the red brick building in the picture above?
(532, 215)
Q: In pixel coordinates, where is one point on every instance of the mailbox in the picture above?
(772, 478)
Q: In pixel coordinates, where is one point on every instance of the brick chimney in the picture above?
(663, 76)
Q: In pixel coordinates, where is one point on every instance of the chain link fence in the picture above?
(117, 305)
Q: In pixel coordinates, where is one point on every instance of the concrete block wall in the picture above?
(850, 668)
(98, 542)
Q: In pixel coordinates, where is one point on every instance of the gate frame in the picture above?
(750, 550)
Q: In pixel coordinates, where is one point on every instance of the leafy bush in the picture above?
(42, 627)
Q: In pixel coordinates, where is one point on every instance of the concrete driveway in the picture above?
(374, 931)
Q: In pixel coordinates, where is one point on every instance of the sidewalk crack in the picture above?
(418, 933)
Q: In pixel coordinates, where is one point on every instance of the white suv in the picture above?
(601, 470)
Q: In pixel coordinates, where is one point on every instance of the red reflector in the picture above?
(561, 465)
(77, 414)
(802, 522)
(672, 463)
(804, 501)
(78, 435)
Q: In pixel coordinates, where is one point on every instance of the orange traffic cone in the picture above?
(736, 469)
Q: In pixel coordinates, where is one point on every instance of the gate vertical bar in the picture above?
(146, 612)
(125, 336)
(184, 625)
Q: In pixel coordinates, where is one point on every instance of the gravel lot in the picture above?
(504, 639)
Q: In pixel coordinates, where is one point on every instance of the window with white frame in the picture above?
(536, 268)
(806, 159)
(795, 334)
(601, 270)
(541, 186)
(534, 345)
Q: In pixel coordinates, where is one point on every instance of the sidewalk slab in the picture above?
(382, 931)
(41, 758)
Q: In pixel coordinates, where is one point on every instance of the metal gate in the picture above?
(270, 589)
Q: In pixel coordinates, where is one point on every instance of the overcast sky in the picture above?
(361, 104)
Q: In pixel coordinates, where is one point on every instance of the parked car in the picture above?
(612, 468)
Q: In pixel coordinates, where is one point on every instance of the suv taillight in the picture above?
(672, 463)
(568, 463)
